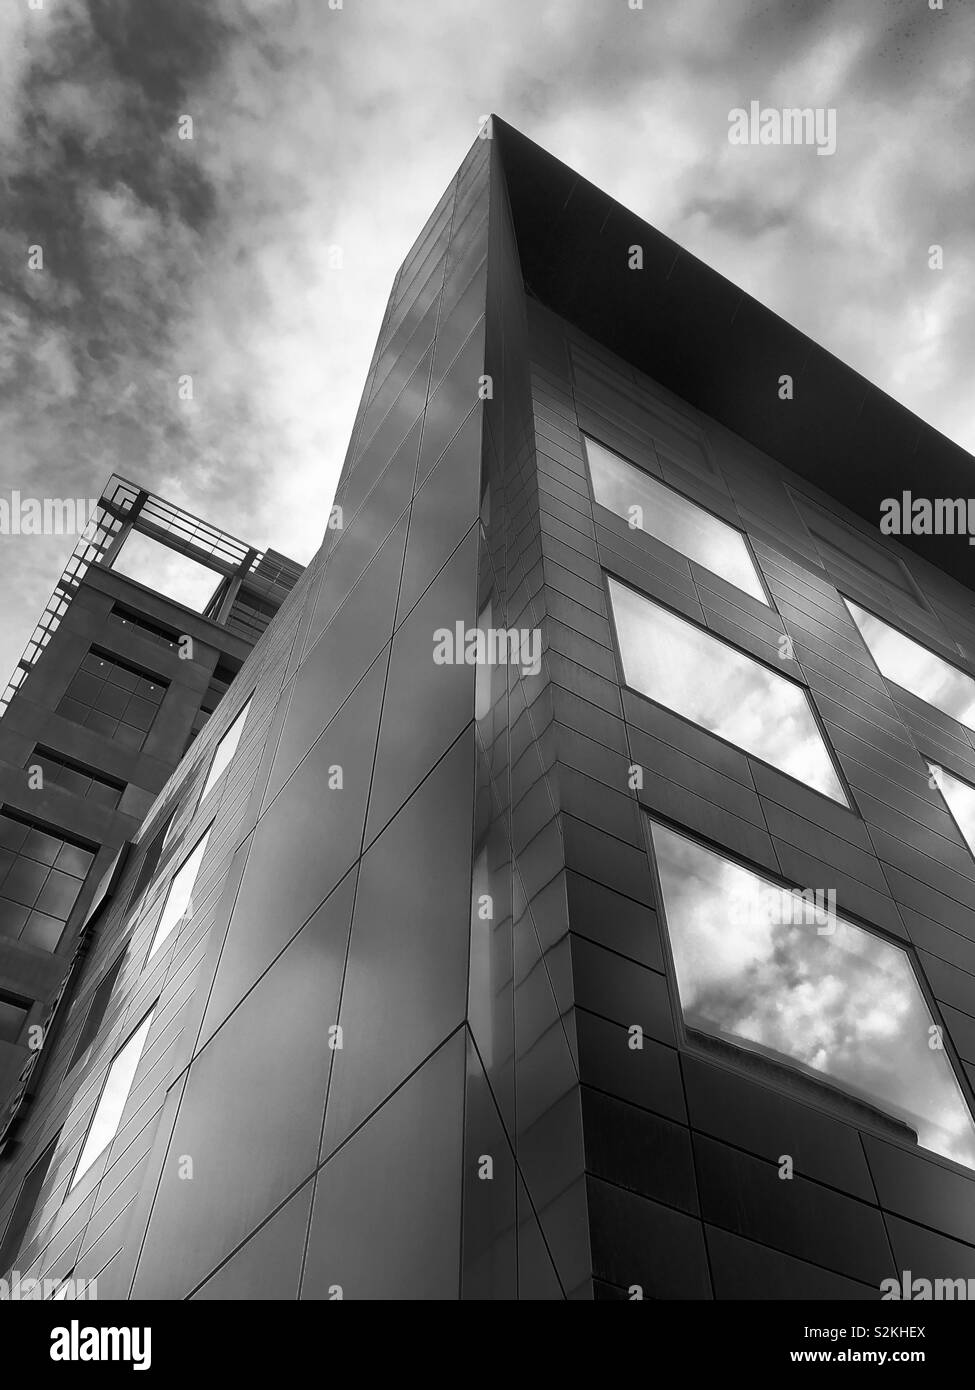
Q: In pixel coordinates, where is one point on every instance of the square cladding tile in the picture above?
(254, 943)
(364, 622)
(429, 700)
(744, 1269)
(639, 1244)
(364, 532)
(746, 1196)
(922, 1190)
(538, 1281)
(303, 844)
(250, 1118)
(267, 1267)
(490, 1253)
(406, 980)
(758, 1118)
(386, 1219)
(632, 1148)
(444, 509)
(648, 1076)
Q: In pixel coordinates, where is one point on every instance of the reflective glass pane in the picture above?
(178, 897)
(908, 664)
(226, 749)
(671, 518)
(111, 1102)
(726, 692)
(960, 797)
(766, 969)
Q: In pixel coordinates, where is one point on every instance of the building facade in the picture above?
(580, 902)
(117, 681)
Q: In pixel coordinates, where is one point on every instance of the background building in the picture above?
(490, 981)
(116, 683)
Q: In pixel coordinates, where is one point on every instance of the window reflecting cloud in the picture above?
(179, 895)
(843, 1004)
(111, 1102)
(960, 797)
(673, 519)
(721, 689)
(914, 668)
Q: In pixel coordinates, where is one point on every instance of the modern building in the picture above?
(574, 896)
(116, 683)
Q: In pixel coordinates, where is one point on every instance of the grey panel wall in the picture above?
(390, 1050)
(682, 1152)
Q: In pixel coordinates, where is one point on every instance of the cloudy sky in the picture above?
(317, 128)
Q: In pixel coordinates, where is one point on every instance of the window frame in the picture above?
(848, 805)
(925, 646)
(114, 970)
(48, 1153)
(911, 589)
(240, 718)
(691, 501)
(165, 896)
(931, 763)
(782, 1078)
(79, 1176)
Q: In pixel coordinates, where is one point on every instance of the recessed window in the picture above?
(13, 1016)
(760, 967)
(134, 624)
(706, 680)
(13, 1236)
(113, 699)
(960, 797)
(76, 778)
(41, 875)
(849, 554)
(905, 662)
(97, 1009)
(111, 1102)
(225, 750)
(178, 899)
(669, 517)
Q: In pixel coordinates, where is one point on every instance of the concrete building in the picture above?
(640, 962)
(117, 681)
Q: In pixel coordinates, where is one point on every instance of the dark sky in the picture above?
(318, 128)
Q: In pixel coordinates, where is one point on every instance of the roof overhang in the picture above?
(702, 337)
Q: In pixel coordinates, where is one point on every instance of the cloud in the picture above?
(316, 128)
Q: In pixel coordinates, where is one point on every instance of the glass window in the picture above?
(905, 662)
(13, 1236)
(960, 797)
(111, 1102)
(113, 699)
(848, 552)
(41, 876)
(97, 1009)
(671, 518)
(75, 778)
(226, 749)
(706, 680)
(768, 970)
(178, 899)
(13, 1016)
